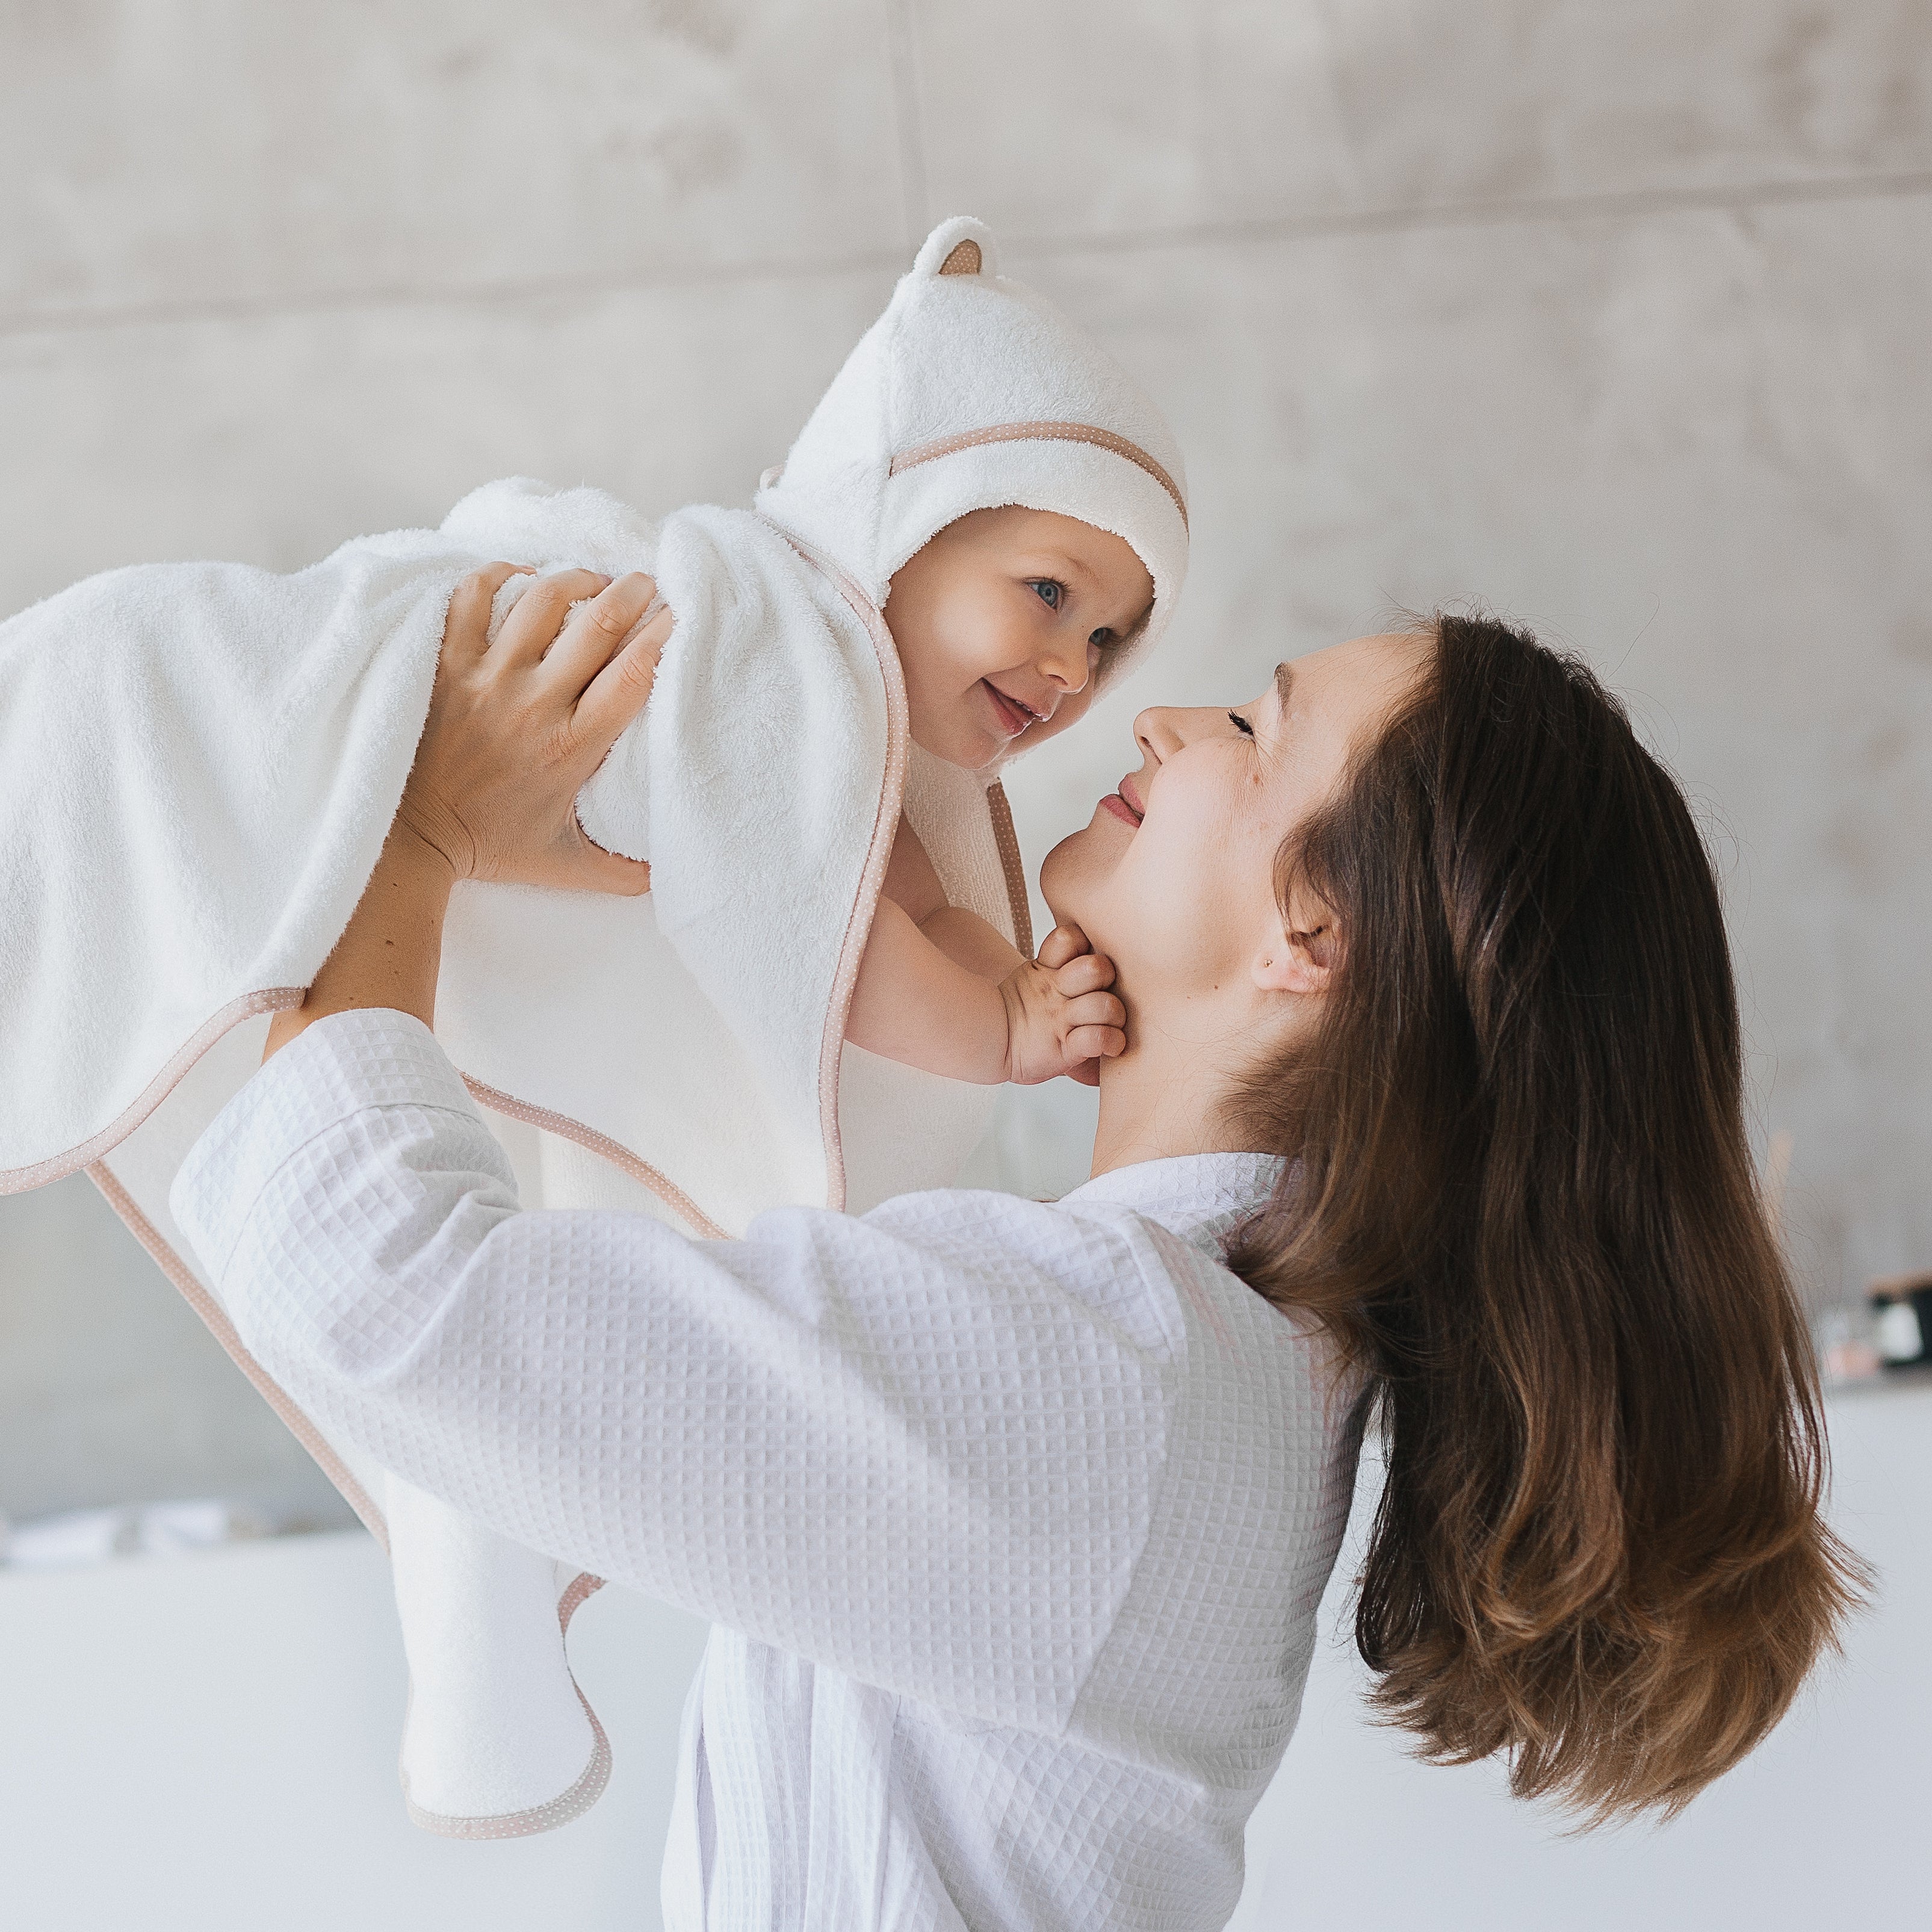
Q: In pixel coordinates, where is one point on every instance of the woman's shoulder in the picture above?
(1141, 1245)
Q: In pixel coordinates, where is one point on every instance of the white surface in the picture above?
(1822, 1830)
(208, 1744)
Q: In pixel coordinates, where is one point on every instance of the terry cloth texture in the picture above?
(198, 763)
(1013, 1517)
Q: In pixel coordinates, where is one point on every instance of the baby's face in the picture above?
(1002, 621)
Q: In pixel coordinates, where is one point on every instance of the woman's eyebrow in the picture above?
(1284, 683)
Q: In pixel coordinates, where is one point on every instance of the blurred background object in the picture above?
(1902, 1305)
(111, 1390)
(73, 1539)
(1613, 316)
(1847, 1351)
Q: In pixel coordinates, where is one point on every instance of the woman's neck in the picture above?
(1163, 1097)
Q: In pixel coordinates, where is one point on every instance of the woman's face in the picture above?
(1173, 876)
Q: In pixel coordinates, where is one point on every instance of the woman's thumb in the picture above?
(598, 871)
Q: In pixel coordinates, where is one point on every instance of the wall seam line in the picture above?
(1634, 204)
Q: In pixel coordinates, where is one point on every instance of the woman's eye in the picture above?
(1050, 594)
(1240, 725)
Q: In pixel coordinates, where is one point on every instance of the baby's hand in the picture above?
(1059, 1017)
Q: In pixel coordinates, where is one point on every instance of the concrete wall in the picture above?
(1615, 316)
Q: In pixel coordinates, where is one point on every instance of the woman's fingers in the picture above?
(621, 690)
(595, 632)
(532, 626)
(466, 630)
(504, 751)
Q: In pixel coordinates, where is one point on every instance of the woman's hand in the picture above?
(516, 727)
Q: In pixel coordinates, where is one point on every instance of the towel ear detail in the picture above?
(959, 246)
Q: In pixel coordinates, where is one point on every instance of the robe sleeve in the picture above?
(915, 1446)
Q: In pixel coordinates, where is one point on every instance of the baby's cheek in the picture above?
(1071, 711)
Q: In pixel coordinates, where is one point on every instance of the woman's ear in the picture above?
(1298, 960)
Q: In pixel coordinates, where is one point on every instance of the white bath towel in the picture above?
(198, 763)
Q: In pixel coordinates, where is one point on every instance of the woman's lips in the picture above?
(1125, 804)
(1014, 715)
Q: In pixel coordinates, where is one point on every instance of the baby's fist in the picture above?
(1060, 1017)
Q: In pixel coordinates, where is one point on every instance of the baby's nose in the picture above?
(1066, 672)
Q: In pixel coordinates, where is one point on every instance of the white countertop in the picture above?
(208, 1744)
(1822, 1830)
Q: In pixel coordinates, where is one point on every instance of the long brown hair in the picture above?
(1522, 1198)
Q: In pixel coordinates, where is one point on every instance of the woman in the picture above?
(1013, 1516)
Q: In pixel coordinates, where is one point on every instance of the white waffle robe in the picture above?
(1011, 1517)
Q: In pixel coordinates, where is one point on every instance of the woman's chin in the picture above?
(1078, 860)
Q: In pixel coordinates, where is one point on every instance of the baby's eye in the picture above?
(1240, 725)
(1103, 636)
(1050, 594)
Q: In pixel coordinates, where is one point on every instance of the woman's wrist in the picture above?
(391, 951)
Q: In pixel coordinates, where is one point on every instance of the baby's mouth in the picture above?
(1014, 715)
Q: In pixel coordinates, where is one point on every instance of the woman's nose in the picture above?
(1157, 732)
(1162, 730)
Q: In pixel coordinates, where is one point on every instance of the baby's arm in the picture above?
(939, 989)
(915, 1005)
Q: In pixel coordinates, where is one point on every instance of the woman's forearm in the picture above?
(391, 950)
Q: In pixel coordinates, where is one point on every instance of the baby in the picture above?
(981, 525)
(1004, 622)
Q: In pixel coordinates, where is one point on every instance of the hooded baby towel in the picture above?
(199, 764)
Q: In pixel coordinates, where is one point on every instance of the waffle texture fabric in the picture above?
(1012, 1518)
